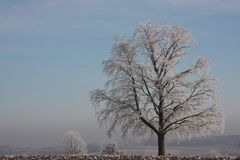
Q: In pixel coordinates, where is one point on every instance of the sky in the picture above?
(51, 53)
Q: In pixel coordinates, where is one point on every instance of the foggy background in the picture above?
(51, 53)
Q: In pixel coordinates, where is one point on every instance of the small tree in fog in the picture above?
(74, 143)
(111, 149)
(150, 89)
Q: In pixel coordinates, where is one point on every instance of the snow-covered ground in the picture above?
(114, 157)
(184, 150)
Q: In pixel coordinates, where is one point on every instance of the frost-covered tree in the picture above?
(74, 143)
(111, 149)
(150, 89)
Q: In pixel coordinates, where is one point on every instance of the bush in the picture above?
(111, 149)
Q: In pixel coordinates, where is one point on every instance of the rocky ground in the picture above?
(113, 157)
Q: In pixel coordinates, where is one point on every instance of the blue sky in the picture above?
(51, 53)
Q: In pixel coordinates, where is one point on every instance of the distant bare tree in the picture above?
(74, 143)
(150, 89)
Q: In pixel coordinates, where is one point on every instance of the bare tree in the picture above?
(150, 89)
(74, 143)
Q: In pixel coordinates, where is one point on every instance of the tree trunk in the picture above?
(161, 145)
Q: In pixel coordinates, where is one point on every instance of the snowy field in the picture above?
(114, 157)
(184, 150)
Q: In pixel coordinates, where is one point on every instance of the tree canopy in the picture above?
(150, 90)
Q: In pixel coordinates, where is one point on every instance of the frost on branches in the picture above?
(149, 90)
(74, 143)
(111, 149)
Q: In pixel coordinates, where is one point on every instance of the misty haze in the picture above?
(153, 78)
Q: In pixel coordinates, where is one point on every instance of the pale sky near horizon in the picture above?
(51, 53)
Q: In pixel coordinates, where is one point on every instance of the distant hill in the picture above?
(7, 150)
(230, 140)
(214, 145)
(214, 142)
(227, 140)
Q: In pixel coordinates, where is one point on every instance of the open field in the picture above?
(185, 150)
(114, 157)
